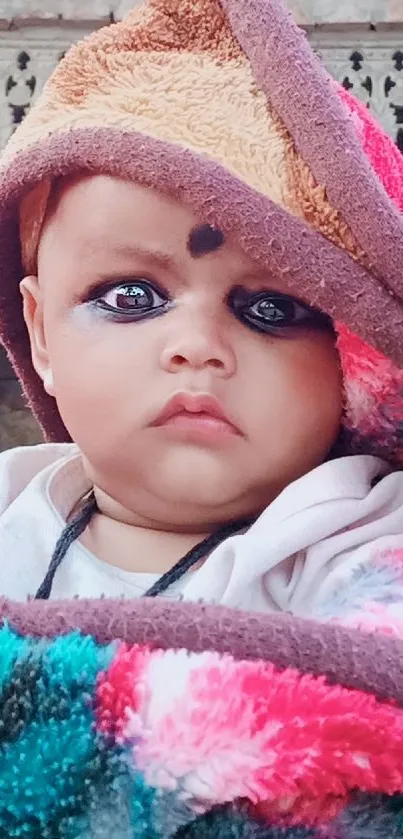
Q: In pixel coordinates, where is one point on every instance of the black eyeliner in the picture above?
(240, 300)
(120, 316)
(102, 287)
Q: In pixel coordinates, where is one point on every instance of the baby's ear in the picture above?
(33, 316)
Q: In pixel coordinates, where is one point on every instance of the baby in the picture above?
(186, 254)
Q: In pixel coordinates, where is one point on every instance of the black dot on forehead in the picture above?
(204, 239)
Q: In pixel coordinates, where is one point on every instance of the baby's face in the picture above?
(134, 305)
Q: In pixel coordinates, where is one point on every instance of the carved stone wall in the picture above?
(368, 62)
(70, 10)
(347, 11)
(306, 11)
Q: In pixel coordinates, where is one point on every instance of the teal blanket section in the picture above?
(52, 761)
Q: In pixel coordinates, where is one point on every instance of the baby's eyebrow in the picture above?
(164, 260)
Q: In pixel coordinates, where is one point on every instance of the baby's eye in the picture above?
(132, 299)
(276, 311)
(271, 311)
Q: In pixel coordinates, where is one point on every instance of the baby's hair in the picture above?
(37, 206)
(34, 209)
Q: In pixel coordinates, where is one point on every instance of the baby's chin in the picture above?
(184, 487)
(203, 489)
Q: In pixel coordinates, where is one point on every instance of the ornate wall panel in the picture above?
(90, 10)
(307, 11)
(27, 57)
(347, 11)
(370, 63)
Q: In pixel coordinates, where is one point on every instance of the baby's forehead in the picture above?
(110, 212)
(107, 194)
(99, 228)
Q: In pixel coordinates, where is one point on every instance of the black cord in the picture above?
(76, 527)
(71, 532)
(193, 556)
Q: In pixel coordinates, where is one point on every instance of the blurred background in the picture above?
(360, 42)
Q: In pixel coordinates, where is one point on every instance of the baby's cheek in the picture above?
(296, 404)
(314, 364)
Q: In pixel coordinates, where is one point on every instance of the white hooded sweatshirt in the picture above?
(330, 546)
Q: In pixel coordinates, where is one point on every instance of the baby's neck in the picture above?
(137, 548)
(148, 513)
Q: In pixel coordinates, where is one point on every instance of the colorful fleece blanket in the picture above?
(152, 719)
